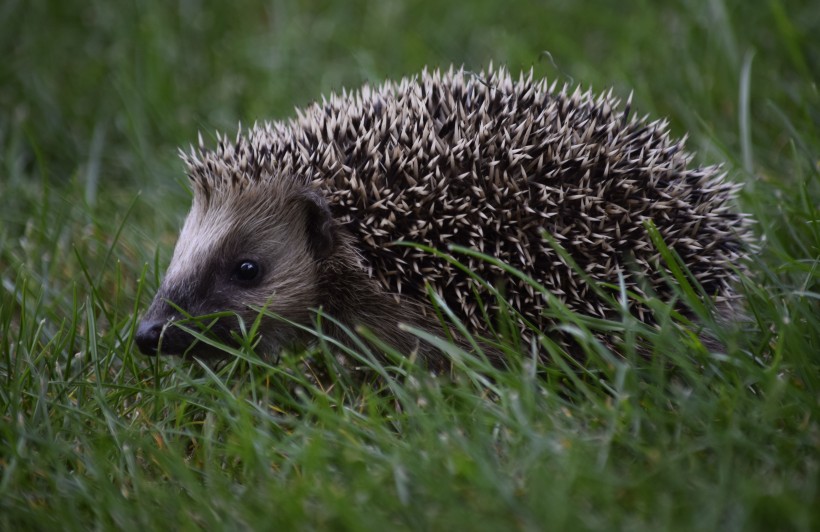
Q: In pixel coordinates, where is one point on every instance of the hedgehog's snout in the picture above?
(148, 336)
(162, 336)
(157, 333)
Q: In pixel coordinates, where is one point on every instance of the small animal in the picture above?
(316, 212)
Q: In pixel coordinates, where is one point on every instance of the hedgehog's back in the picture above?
(482, 161)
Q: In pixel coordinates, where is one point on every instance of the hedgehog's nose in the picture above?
(147, 337)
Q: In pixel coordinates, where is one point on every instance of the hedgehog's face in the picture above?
(240, 251)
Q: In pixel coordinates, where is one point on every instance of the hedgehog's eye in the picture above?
(246, 271)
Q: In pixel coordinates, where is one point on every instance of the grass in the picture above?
(96, 96)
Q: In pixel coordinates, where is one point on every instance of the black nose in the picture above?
(147, 337)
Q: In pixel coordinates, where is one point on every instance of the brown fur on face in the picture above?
(272, 231)
(307, 262)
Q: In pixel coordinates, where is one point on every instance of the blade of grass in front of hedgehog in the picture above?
(441, 306)
(509, 309)
(397, 364)
(556, 304)
(362, 353)
(450, 259)
(244, 352)
(686, 283)
(462, 361)
(628, 323)
(560, 310)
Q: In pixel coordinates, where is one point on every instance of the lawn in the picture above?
(95, 98)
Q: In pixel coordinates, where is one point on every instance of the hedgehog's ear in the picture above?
(319, 224)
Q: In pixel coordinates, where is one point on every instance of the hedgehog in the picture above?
(318, 213)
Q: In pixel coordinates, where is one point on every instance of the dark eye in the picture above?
(246, 271)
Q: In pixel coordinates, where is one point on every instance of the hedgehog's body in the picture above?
(480, 161)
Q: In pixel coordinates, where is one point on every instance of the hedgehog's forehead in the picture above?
(224, 209)
(240, 189)
(234, 185)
